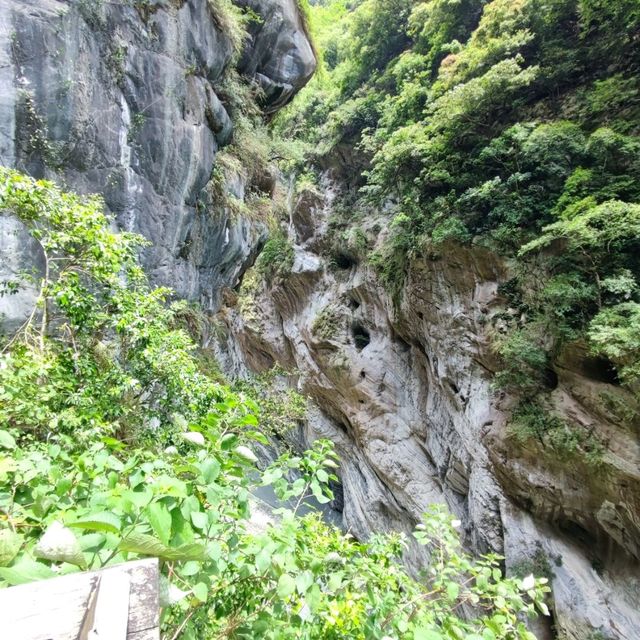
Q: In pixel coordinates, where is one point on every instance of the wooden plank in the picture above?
(111, 608)
(144, 603)
(55, 609)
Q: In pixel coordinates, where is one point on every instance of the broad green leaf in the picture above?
(190, 569)
(427, 634)
(139, 498)
(102, 521)
(10, 543)
(210, 470)
(165, 485)
(195, 437)
(150, 546)
(335, 580)
(304, 580)
(201, 591)
(313, 597)
(199, 520)
(160, 521)
(246, 454)
(228, 441)
(286, 586)
(26, 570)
(543, 608)
(7, 441)
(263, 559)
(92, 541)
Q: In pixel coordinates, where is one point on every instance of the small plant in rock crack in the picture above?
(277, 257)
(137, 123)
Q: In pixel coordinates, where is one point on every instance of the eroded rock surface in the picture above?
(124, 99)
(279, 55)
(405, 393)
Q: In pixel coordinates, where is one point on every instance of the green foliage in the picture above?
(115, 445)
(280, 408)
(615, 334)
(531, 420)
(326, 324)
(524, 358)
(232, 21)
(510, 124)
(536, 564)
(276, 258)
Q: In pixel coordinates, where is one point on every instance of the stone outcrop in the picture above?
(279, 55)
(125, 99)
(405, 393)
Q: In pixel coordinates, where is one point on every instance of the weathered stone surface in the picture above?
(279, 56)
(405, 393)
(122, 99)
(18, 253)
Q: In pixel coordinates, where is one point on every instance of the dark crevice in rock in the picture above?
(361, 336)
(550, 378)
(601, 370)
(344, 261)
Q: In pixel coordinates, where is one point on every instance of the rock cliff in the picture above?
(405, 392)
(126, 99)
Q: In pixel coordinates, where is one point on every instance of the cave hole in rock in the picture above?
(601, 370)
(342, 427)
(354, 304)
(338, 495)
(361, 336)
(363, 374)
(550, 378)
(404, 346)
(579, 534)
(344, 261)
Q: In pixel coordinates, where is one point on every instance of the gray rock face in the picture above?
(405, 393)
(122, 99)
(279, 56)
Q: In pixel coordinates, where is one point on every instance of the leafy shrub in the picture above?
(232, 21)
(531, 421)
(327, 323)
(537, 563)
(280, 408)
(277, 256)
(615, 334)
(524, 358)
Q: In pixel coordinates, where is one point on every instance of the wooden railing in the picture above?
(117, 603)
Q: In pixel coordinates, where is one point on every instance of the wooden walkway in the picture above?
(118, 603)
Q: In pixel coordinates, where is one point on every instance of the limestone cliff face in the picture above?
(405, 392)
(123, 99)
